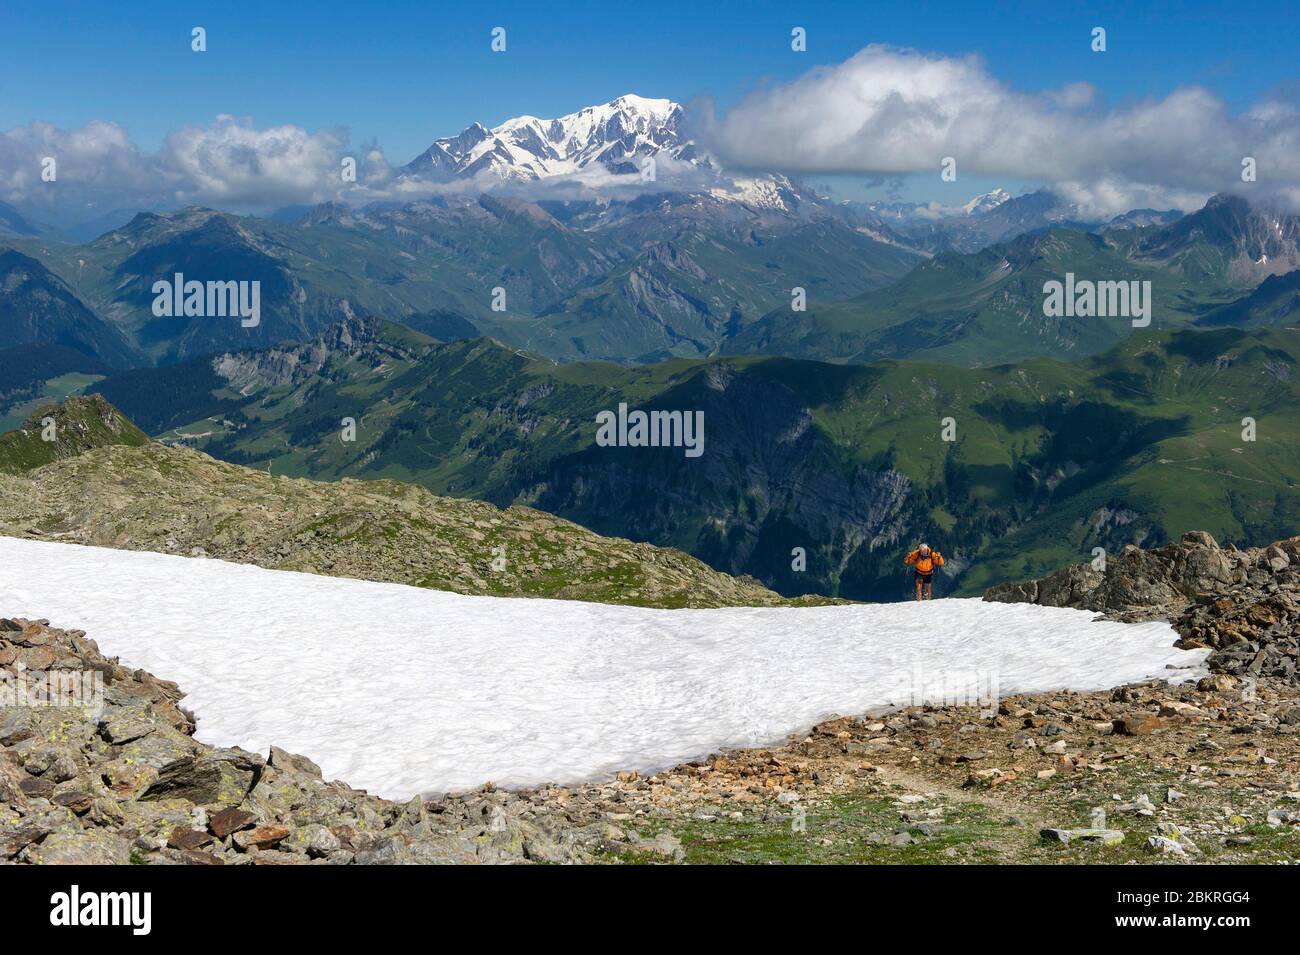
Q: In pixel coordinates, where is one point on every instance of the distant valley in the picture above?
(465, 340)
(848, 462)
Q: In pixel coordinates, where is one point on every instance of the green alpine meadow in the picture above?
(1049, 458)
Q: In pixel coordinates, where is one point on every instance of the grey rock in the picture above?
(1092, 836)
(1164, 846)
(88, 847)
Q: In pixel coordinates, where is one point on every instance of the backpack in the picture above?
(934, 557)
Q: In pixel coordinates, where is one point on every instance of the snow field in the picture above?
(401, 690)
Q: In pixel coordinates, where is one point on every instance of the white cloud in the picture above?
(227, 162)
(885, 112)
(98, 156)
(892, 111)
(232, 161)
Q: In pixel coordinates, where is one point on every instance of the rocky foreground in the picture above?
(1202, 771)
(129, 783)
(1205, 771)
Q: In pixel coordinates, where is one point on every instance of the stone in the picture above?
(1283, 817)
(17, 723)
(32, 829)
(1141, 724)
(1216, 683)
(36, 786)
(313, 839)
(1164, 846)
(261, 837)
(185, 838)
(292, 762)
(126, 728)
(199, 857)
(78, 801)
(1091, 836)
(665, 844)
(85, 847)
(1141, 806)
(228, 821)
(222, 777)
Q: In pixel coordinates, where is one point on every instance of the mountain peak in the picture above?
(987, 202)
(528, 148)
(65, 430)
(642, 104)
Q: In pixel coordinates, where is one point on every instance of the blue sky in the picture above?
(400, 74)
(403, 73)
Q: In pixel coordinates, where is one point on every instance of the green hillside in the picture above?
(625, 285)
(66, 430)
(984, 308)
(1051, 459)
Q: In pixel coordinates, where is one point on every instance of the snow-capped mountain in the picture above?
(526, 148)
(934, 212)
(987, 202)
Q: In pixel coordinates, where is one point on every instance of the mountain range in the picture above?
(847, 462)
(614, 135)
(632, 281)
(986, 307)
(709, 264)
(996, 216)
(473, 335)
(674, 275)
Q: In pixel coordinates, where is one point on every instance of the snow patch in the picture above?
(402, 690)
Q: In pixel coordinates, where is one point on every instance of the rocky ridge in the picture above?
(65, 430)
(145, 496)
(1242, 604)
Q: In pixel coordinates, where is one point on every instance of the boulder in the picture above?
(1140, 724)
(1091, 836)
(228, 821)
(84, 847)
(293, 763)
(218, 778)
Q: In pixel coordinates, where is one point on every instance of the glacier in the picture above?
(401, 690)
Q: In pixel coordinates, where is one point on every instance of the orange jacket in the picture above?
(924, 564)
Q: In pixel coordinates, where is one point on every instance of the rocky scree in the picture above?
(126, 782)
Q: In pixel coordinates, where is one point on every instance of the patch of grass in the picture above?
(849, 828)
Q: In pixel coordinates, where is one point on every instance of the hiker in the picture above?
(924, 561)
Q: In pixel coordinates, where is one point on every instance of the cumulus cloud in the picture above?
(889, 111)
(231, 160)
(98, 156)
(885, 113)
(227, 162)
(230, 163)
